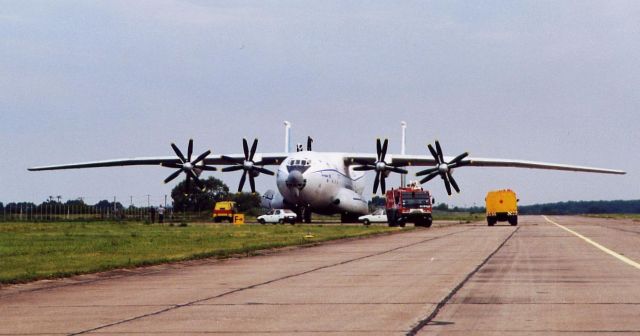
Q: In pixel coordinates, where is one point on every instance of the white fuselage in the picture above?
(322, 182)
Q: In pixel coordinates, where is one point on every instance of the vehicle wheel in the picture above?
(366, 222)
(281, 221)
(491, 220)
(513, 220)
(217, 219)
(261, 221)
(428, 222)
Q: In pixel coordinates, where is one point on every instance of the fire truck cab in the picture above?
(409, 204)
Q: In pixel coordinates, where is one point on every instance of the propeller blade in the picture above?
(364, 168)
(433, 152)
(453, 182)
(172, 176)
(263, 170)
(384, 149)
(375, 182)
(231, 160)
(426, 171)
(378, 149)
(195, 179)
(232, 168)
(383, 186)
(309, 142)
(252, 182)
(242, 179)
(190, 150)
(178, 152)
(201, 157)
(447, 184)
(253, 149)
(429, 177)
(188, 184)
(398, 170)
(245, 146)
(171, 165)
(459, 157)
(439, 150)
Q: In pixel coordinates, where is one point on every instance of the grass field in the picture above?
(635, 217)
(31, 251)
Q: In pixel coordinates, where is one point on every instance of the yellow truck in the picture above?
(224, 211)
(502, 205)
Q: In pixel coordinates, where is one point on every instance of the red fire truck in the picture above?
(409, 204)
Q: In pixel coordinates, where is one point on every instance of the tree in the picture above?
(377, 202)
(247, 202)
(1, 206)
(198, 200)
(442, 207)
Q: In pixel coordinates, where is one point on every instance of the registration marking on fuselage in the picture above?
(600, 247)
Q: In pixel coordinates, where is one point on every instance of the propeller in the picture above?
(192, 169)
(380, 166)
(443, 168)
(247, 164)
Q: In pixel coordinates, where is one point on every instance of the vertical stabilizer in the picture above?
(402, 150)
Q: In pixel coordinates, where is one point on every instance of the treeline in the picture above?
(58, 207)
(559, 208)
(582, 207)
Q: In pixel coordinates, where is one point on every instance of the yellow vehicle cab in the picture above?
(502, 205)
(224, 211)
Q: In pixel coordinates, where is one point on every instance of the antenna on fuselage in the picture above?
(403, 148)
(287, 136)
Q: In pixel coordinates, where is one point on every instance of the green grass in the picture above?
(635, 217)
(465, 217)
(31, 251)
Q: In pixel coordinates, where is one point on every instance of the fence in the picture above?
(62, 212)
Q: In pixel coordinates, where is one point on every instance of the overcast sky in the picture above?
(554, 81)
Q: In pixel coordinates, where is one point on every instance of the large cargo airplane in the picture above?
(321, 182)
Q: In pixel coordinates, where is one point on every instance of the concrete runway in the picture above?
(556, 276)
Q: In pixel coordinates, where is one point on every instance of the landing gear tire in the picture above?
(307, 215)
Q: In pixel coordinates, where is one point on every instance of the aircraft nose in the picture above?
(295, 180)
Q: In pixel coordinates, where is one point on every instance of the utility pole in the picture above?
(148, 201)
(403, 148)
(165, 201)
(287, 136)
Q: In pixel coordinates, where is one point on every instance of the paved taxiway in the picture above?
(538, 278)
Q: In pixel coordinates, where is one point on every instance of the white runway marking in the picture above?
(602, 248)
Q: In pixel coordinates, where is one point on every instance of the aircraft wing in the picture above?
(424, 160)
(262, 159)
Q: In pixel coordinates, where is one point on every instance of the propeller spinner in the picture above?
(380, 166)
(191, 168)
(247, 164)
(443, 168)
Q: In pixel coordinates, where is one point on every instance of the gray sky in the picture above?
(541, 80)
